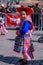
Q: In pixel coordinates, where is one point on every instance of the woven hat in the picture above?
(28, 9)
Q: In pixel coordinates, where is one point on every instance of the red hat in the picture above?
(28, 9)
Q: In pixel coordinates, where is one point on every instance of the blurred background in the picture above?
(9, 6)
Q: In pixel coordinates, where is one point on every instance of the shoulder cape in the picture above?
(26, 26)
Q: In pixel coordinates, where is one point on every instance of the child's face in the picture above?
(23, 14)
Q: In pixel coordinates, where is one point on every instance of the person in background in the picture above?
(8, 9)
(3, 29)
(1, 8)
(25, 28)
(13, 10)
(17, 5)
(36, 17)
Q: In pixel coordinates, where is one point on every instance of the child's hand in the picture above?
(17, 33)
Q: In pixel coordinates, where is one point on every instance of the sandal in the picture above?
(2, 34)
(22, 61)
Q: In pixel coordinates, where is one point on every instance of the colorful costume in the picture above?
(3, 29)
(25, 28)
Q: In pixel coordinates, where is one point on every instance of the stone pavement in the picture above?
(9, 57)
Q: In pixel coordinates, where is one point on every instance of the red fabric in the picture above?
(10, 19)
(28, 9)
(27, 42)
(31, 25)
(17, 33)
(30, 20)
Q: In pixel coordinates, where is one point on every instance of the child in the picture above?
(3, 29)
(25, 28)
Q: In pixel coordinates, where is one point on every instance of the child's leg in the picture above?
(26, 50)
(3, 30)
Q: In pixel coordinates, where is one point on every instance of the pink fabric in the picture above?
(32, 26)
(26, 49)
(27, 42)
(3, 30)
(29, 18)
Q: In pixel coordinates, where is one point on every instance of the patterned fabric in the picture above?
(18, 47)
(22, 44)
(26, 43)
(26, 50)
(3, 29)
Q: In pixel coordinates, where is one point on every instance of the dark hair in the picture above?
(17, 2)
(36, 4)
(24, 10)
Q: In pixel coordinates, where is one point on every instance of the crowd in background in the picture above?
(37, 17)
